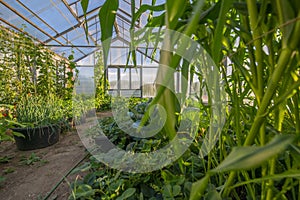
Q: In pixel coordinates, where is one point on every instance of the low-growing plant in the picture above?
(31, 160)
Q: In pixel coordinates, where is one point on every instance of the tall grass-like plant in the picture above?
(38, 111)
(257, 155)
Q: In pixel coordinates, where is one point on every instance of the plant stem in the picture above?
(271, 88)
(254, 25)
(262, 110)
(271, 182)
(297, 114)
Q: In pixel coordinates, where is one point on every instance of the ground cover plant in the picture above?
(257, 154)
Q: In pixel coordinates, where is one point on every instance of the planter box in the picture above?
(36, 138)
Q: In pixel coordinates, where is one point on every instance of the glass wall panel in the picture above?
(149, 76)
(85, 83)
(135, 78)
(113, 77)
(124, 78)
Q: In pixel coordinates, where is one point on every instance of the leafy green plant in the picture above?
(39, 111)
(8, 121)
(8, 170)
(5, 159)
(32, 159)
(102, 98)
(28, 68)
(255, 46)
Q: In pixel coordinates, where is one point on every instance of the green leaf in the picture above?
(218, 35)
(243, 158)
(285, 13)
(84, 191)
(143, 9)
(18, 134)
(286, 174)
(212, 13)
(82, 168)
(128, 193)
(107, 15)
(213, 195)
(157, 21)
(84, 5)
(167, 192)
(199, 187)
(176, 190)
(175, 10)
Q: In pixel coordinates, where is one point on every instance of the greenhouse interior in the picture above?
(150, 99)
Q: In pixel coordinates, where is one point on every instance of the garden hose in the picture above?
(63, 178)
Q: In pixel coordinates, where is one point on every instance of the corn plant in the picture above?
(255, 45)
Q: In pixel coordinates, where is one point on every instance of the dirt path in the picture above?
(35, 180)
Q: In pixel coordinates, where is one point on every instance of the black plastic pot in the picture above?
(37, 137)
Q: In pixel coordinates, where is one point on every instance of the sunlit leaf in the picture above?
(107, 15)
(175, 10)
(217, 42)
(286, 174)
(84, 5)
(243, 158)
(128, 193)
(199, 187)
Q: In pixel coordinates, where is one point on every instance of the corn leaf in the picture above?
(84, 5)
(217, 44)
(243, 158)
(107, 15)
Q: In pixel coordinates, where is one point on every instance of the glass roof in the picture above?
(59, 23)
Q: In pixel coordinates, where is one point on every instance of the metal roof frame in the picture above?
(43, 28)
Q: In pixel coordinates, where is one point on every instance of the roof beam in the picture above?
(64, 32)
(28, 21)
(78, 20)
(69, 29)
(20, 30)
(128, 43)
(34, 14)
(90, 12)
(75, 2)
(98, 47)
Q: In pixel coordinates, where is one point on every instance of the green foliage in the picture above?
(8, 170)
(7, 121)
(255, 45)
(5, 159)
(39, 110)
(102, 98)
(31, 160)
(107, 16)
(243, 157)
(28, 68)
(173, 182)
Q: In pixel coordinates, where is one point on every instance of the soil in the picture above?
(35, 180)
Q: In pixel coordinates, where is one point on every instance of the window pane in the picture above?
(113, 77)
(135, 78)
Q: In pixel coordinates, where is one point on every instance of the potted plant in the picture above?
(41, 119)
